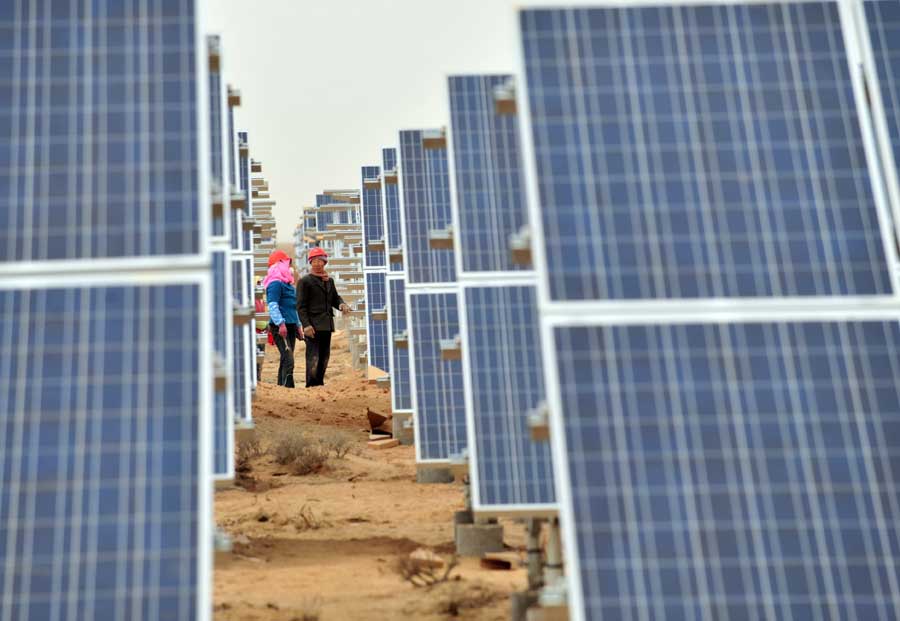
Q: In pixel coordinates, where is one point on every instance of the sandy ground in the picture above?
(326, 545)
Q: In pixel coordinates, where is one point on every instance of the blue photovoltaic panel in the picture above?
(883, 19)
(100, 464)
(742, 471)
(376, 300)
(440, 413)
(401, 395)
(240, 383)
(98, 158)
(222, 430)
(373, 224)
(244, 181)
(506, 377)
(232, 148)
(392, 223)
(700, 151)
(490, 191)
(324, 218)
(216, 135)
(426, 203)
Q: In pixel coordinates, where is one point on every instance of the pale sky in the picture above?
(327, 83)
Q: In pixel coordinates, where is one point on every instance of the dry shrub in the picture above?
(306, 519)
(457, 597)
(301, 453)
(423, 574)
(312, 609)
(338, 442)
(247, 451)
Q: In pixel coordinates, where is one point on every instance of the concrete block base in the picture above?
(478, 539)
(401, 431)
(434, 475)
(520, 602)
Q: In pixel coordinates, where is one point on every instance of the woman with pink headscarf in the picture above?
(283, 321)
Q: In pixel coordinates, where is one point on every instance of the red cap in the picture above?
(278, 255)
(317, 252)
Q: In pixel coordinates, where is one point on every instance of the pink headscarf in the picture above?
(279, 271)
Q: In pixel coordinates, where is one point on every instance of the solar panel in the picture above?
(401, 391)
(487, 170)
(241, 339)
(376, 320)
(717, 147)
(223, 406)
(391, 200)
(141, 199)
(324, 218)
(732, 471)
(218, 140)
(373, 223)
(244, 184)
(104, 497)
(438, 402)
(425, 207)
(504, 380)
(883, 20)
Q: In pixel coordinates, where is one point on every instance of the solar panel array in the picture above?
(105, 380)
(398, 325)
(425, 208)
(739, 463)
(373, 214)
(487, 173)
(391, 200)
(440, 422)
(502, 358)
(708, 152)
(377, 327)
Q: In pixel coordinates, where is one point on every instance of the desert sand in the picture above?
(326, 545)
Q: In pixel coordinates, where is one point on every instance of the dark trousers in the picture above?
(286, 349)
(318, 351)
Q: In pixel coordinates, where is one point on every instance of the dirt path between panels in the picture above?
(326, 545)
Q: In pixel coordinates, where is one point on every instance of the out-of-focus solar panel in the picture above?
(103, 469)
(426, 208)
(732, 471)
(373, 214)
(699, 151)
(439, 406)
(240, 385)
(401, 391)
(223, 417)
(883, 20)
(218, 144)
(392, 222)
(490, 191)
(244, 184)
(377, 335)
(98, 158)
(324, 218)
(505, 373)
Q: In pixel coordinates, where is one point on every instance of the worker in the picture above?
(281, 296)
(317, 299)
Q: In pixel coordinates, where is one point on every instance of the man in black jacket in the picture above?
(316, 298)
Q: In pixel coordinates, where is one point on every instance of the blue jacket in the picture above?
(282, 299)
